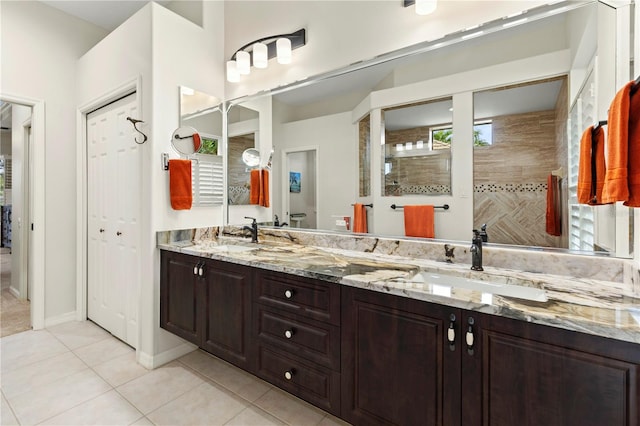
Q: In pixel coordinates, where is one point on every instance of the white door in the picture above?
(113, 204)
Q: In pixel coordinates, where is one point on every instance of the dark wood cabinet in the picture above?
(528, 374)
(208, 303)
(398, 368)
(379, 359)
(397, 365)
(227, 312)
(180, 300)
(297, 330)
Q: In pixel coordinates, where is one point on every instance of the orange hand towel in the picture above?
(180, 184)
(418, 221)
(616, 183)
(591, 160)
(359, 218)
(264, 193)
(197, 142)
(634, 151)
(256, 187)
(554, 206)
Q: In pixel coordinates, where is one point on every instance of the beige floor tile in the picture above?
(244, 384)
(289, 409)
(142, 422)
(120, 370)
(6, 415)
(75, 334)
(253, 416)
(153, 390)
(204, 405)
(103, 351)
(107, 409)
(28, 347)
(40, 373)
(56, 397)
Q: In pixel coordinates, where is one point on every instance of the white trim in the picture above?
(60, 319)
(132, 86)
(15, 292)
(153, 361)
(39, 209)
(25, 226)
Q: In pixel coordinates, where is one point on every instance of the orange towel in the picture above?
(634, 151)
(554, 206)
(591, 160)
(616, 183)
(180, 184)
(256, 187)
(264, 193)
(197, 143)
(359, 218)
(418, 221)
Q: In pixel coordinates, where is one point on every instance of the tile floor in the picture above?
(77, 373)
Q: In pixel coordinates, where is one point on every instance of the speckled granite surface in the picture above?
(602, 304)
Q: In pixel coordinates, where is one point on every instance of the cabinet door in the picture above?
(179, 300)
(227, 297)
(397, 365)
(529, 374)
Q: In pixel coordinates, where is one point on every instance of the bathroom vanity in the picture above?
(357, 335)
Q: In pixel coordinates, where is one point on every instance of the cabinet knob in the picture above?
(201, 271)
(288, 334)
(195, 269)
(288, 294)
(289, 374)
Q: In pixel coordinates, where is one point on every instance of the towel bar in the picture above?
(366, 205)
(445, 207)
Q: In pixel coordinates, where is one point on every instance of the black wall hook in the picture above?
(134, 122)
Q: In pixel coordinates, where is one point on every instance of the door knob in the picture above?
(101, 230)
(118, 233)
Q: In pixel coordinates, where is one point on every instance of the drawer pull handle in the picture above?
(288, 334)
(195, 269)
(201, 271)
(288, 294)
(289, 374)
(451, 333)
(469, 337)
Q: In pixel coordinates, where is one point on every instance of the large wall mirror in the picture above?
(477, 121)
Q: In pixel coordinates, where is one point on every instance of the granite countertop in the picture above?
(590, 306)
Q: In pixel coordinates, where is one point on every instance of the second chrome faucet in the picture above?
(476, 251)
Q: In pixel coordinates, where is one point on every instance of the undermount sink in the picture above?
(442, 285)
(231, 248)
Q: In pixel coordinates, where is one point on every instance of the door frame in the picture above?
(285, 178)
(127, 88)
(38, 210)
(27, 189)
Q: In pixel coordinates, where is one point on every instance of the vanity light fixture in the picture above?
(423, 7)
(258, 53)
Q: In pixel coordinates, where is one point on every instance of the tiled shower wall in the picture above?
(510, 178)
(238, 176)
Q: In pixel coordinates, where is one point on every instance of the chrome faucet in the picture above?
(253, 228)
(476, 251)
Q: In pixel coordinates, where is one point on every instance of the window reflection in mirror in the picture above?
(417, 148)
(520, 138)
(243, 131)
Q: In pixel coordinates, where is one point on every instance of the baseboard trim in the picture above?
(60, 319)
(15, 292)
(154, 361)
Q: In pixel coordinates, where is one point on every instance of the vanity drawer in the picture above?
(312, 340)
(299, 295)
(313, 383)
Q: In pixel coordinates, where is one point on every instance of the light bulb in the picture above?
(233, 76)
(408, 146)
(399, 147)
(419, 144)
(260, 57)
(283, 49)
(244, 62)
(425, 7)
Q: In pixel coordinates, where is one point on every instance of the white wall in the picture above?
(40, 46)
(340, 33)
(336, 139)
(304, 201)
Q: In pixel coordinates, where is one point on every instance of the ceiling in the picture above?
(107, 14)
